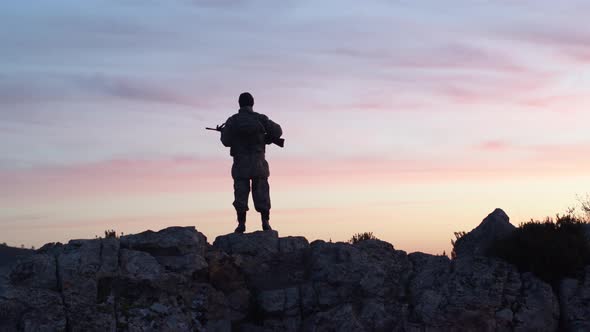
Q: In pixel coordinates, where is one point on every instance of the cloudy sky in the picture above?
(410, 119)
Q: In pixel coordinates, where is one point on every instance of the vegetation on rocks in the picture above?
(358, 237)
(552, 249)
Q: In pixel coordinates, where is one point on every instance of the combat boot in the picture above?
(265, 221)
(241, 222)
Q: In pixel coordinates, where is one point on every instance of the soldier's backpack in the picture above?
(248, 129)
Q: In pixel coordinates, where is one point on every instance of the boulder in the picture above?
(140, 266)
(177, 249)
(279, 301)
(259, 243)
(292, 244)
(477, 242)
(253, 253)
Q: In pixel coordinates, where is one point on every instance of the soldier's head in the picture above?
(246, 99)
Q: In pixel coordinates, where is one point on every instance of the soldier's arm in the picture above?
(226, 133)
(272, 128)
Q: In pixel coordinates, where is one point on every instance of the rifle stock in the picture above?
(279, 141)
(275, 140)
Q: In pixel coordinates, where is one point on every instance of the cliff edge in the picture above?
(174, 280)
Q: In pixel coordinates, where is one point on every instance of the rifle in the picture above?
(268, 140)
(217, 128)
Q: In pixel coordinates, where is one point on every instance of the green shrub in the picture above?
(551, 249)
(358, 237)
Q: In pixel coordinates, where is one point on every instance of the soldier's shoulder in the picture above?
(261, 116)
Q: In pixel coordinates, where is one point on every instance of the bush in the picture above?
(551, 249)
(110, 233)
(458, 235)
(358, 237)
(582, 211)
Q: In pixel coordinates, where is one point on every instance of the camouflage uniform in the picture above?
(249, 164)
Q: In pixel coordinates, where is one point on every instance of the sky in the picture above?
(408, 119)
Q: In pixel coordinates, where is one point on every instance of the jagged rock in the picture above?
(109, 255)
(428, 289)
(537, 307)
(479, 294)
(283, 301)
(172, 280)
(218, 326)
(253, 253)
(477, 242)
(178, 249)
(77, 268)
(140, 265)
(287, 324)
(292, 243)
(224, 274)
(374, 316)
(146, 319)
(372, 268)
(272, 301)
(36, 271)
(32, 309)
(260, 243)
(29, 298)
(341, 318)
(574, 297)
(238, 302)
(171, 241)
(4, 279)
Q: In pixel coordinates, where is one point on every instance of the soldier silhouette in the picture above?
(247, 133)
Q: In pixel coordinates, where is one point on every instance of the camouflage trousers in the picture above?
(260, 194)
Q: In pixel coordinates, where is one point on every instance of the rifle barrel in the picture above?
(211, 128)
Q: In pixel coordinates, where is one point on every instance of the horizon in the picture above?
(411, 120)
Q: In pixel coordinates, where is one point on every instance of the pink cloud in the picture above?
(494, 145)
(578, 154)
(560, 103)
(121, 177)
(192, 175)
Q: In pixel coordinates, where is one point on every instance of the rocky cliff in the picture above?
(173, 280)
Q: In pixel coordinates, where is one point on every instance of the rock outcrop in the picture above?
(574, 298)
(173, 280)
(477, 242)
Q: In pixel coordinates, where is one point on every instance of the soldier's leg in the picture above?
(241, 192)
(261, 196)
